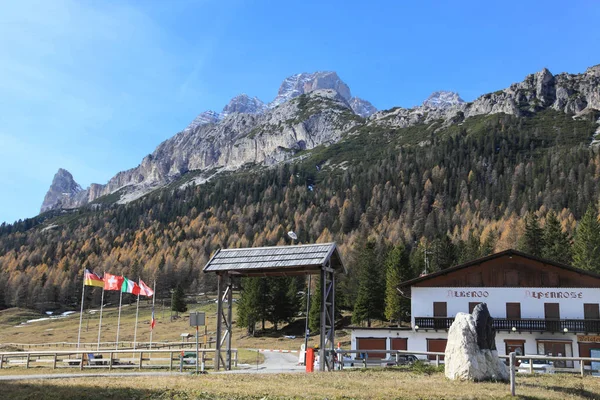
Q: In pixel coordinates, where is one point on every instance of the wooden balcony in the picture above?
(520, 325)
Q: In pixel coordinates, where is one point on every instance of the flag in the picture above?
(130, 286)
(112, 282)
(91, 279)
(152, 321)
(145, 290)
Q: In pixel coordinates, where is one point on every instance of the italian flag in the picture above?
(130, 286)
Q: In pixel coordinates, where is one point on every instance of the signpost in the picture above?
(197, 319)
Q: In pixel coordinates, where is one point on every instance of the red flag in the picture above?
(145, 290)
(112, 282)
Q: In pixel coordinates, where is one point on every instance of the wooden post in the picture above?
(141, 359)
(81, 361)
(202, 365)
(235, 360)
(1, 360)
(513, 360)
(54, 361)
(437, 360)
(530, 366)
(27, 362)
(110, 360)
(171, 361)
(581, 368)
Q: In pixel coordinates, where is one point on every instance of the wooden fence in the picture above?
(122, 345)
(128, 359)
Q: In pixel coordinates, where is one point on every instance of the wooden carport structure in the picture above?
(310, 259)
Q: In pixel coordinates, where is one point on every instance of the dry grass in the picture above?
(65, 330)
(343, 384)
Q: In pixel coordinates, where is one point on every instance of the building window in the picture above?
(591, 311)
(557, 348)
(518, 346)
(472, 306)
(440, 313)
(513, 310)
(552, 316)
(437, 346)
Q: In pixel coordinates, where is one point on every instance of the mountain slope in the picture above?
(304, 115)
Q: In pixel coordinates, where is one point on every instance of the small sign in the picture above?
(197, 318)
(588, 338)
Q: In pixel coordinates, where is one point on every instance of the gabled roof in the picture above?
(276, 260)
(505, 253)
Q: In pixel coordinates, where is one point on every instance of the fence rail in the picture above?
(521, 324)
(181, 358)
(438, 357)
(122, 345)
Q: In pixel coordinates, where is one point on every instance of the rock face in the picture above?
(244, 104)
(249, 131)
(443, 99)
(303, 83)
(471, 351)
(62, 190)
(362, 107)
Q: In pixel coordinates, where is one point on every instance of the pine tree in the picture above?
(314, 314)
(533, 239)
(586, 247)
(249, 304)
(369, 299)
(397, 270)
(178, 300)
(557, 245)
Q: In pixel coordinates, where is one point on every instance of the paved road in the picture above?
(274, 363)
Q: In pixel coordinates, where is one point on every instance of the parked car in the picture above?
(540, 366)
(406, 359)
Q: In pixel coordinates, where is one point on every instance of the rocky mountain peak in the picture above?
(362, 107)
(63, 187)
(244, 104)
(206, 117)
(443, 99)
(298, 84)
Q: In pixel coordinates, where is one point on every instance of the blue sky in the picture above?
(94, 86)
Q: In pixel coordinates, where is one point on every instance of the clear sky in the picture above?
(94, 86)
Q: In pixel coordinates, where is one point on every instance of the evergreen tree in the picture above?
(369, 300)
(249, 304)
(283, 304)
(533, 239)
(314, 315)
(444, 252)
(397, 270)
(178, 300)
(488, 245)
(557, 245)
(586, 247)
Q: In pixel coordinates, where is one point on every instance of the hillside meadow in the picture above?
(372, 384)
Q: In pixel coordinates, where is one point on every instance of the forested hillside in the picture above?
(459, 191)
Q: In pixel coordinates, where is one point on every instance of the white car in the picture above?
(540, 366)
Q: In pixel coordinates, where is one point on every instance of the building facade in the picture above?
(539, 307)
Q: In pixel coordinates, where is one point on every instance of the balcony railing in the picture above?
(523, 324)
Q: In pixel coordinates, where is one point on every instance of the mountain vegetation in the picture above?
(398, 201)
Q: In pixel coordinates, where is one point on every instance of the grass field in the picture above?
(370, 384)
(65, 329)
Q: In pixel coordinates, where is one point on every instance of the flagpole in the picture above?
(119, 318)
(152, 329)
(101, 307)
(81, 312)
(137, 312)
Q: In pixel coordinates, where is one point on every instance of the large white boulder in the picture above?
(464, 360)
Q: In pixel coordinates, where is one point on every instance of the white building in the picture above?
(539, 307)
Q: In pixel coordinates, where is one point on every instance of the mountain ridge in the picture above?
(312, 116)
